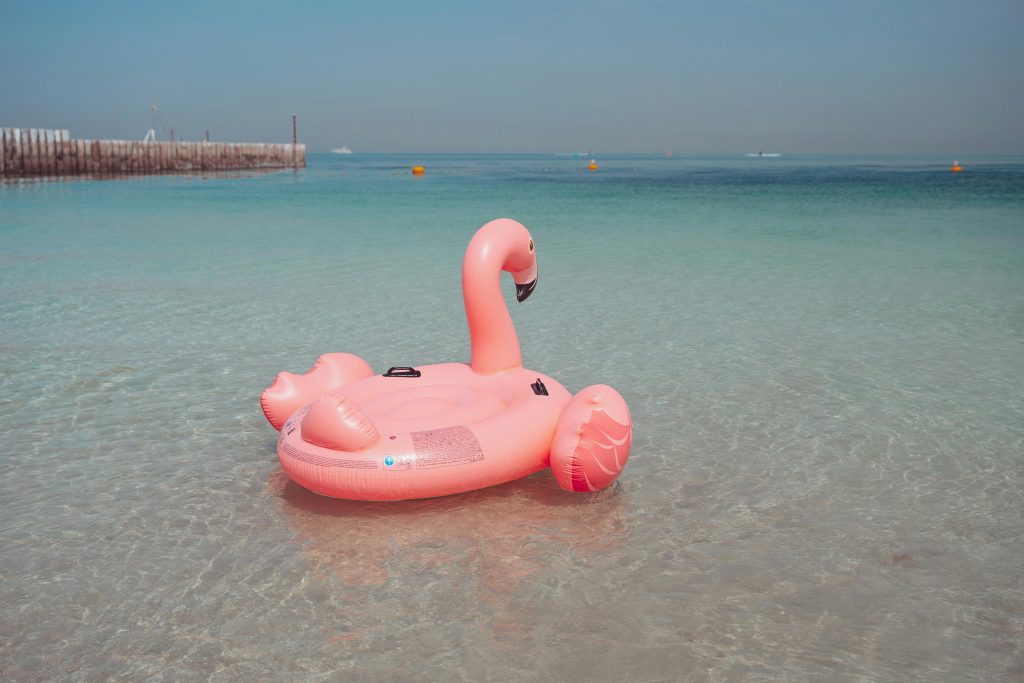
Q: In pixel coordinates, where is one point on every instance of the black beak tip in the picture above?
(523, 292)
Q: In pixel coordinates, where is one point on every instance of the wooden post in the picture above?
(15, 162)
(54, 144)
(22, 143)
(50, 157)
(58, 149)
(22, 146)
(14, 142)
(65, 153)
(44, 156)
(44, 152)
(28, 168)
(31, 166)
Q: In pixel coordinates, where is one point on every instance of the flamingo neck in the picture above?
(492, 335)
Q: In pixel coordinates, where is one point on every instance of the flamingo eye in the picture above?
(531, 246)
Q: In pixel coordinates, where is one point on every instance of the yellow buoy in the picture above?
(418, 170)
(956, 167)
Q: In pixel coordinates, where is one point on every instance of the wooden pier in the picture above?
(33, 152)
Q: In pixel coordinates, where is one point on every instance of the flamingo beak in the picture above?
(526, 282)
(523, 292)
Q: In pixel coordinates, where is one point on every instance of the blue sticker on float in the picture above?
(389, 461)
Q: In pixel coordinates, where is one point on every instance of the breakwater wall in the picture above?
(38, 152)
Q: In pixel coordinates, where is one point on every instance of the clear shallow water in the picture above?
(823, 357)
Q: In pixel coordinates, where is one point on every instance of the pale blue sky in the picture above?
(930, 76)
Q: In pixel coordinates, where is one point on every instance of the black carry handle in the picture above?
(403, 372)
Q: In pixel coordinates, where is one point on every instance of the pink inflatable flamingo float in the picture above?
(435, 430)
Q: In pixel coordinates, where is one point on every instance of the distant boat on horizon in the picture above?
(764, 154)
(342, 150)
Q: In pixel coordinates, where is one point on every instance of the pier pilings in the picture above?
(28, 152)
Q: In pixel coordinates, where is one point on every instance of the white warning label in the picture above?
(446, 447)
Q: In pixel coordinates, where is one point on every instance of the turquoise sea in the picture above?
(824, 358)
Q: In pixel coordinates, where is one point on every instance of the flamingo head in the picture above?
(523, 267)
(506, 244)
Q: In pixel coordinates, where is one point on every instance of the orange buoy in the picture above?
(593, 166)
(956, 167)
(418, 170)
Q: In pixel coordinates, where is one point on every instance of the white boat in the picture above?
(342, 150)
